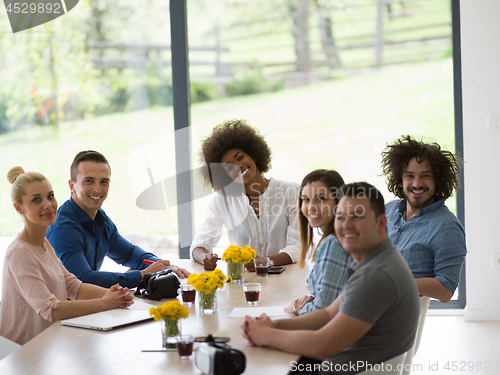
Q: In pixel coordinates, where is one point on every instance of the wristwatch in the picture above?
(294, 310)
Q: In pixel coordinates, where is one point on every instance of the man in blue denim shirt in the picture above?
(425, 232)
(83, 234)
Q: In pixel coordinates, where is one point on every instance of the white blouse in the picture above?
(275, 231)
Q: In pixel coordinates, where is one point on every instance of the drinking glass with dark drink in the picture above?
(185, 346)
(252, 291)
(262, 265)
(188, 294)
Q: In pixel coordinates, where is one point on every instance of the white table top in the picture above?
(59, 349)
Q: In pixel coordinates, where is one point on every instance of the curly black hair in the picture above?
(232, 134)
(445, 165)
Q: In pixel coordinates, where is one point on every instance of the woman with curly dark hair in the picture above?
(256, 211)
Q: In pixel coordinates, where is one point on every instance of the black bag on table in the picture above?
(158, 285)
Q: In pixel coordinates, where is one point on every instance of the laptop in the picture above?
(108, 320)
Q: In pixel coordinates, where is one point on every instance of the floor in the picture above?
(450, 345)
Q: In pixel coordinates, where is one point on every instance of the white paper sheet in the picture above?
(271, 311)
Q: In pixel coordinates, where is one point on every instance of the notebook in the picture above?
(108, 320)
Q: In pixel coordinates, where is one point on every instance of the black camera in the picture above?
(158, 285)
(218, 359)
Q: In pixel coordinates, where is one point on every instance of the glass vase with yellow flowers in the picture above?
(169, 314)
(236, 257)
(206, 284)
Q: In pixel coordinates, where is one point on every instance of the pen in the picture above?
(147, 261)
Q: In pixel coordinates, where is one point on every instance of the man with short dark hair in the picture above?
(376, 315)
(83, 234)
(425, 232)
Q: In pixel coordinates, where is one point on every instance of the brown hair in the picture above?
(19, 179)
(232, 134)
(333, 180)
(88, 155)
(445, 165)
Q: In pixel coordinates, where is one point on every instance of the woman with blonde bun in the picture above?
(36, 286)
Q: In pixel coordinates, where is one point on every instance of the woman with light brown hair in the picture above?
(35, 285)
(317, 201)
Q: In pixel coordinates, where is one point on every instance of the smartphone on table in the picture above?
(276, 269)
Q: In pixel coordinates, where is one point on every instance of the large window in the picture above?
(329, 82)
(98, 77)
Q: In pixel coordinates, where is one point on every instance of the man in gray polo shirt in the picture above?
(376, 315)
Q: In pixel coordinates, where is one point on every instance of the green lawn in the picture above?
(341, 124)
(354, 23)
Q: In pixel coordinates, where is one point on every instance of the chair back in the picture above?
(424, 306)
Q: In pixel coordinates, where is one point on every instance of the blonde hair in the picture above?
(19, 179)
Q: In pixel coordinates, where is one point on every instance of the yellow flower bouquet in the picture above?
(206, 283)
(236, 257)
(169, 314)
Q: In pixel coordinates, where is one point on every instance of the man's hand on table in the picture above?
(161, 265)
(255, 330)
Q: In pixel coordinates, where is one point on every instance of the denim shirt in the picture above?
(432, 242)
(82, 243)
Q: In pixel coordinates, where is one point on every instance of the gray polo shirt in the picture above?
(380, 290)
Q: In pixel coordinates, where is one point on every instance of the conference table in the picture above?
(136, 349)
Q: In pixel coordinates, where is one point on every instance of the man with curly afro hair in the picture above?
(425, 232)
(256, 211)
